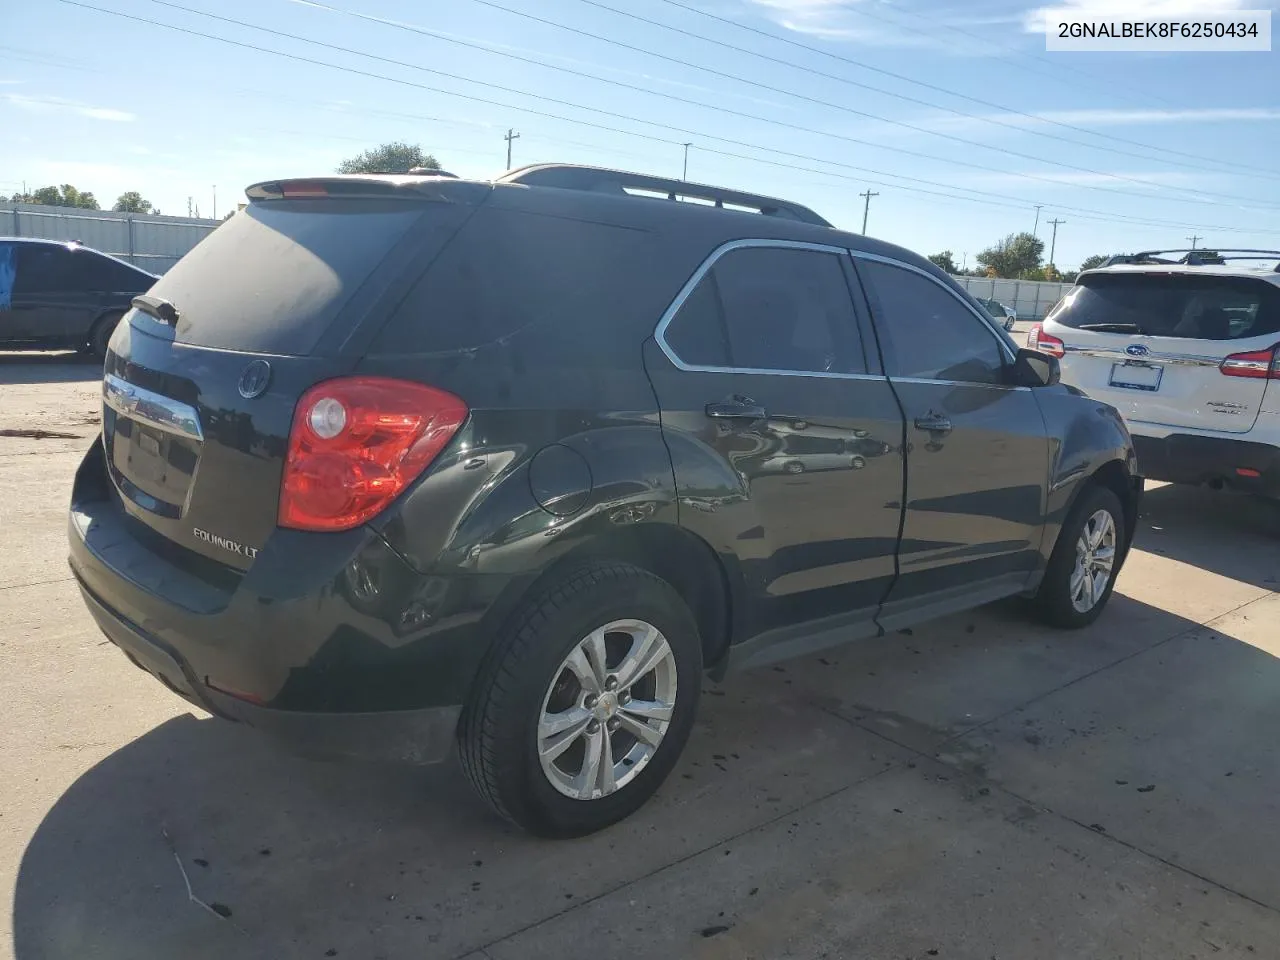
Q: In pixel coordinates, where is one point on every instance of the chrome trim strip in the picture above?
(660, 333)
(153, 409)
(1152, 356)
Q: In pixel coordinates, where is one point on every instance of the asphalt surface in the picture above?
(978, 788)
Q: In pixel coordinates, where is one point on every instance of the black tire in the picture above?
(498, 731)
(1053, 602)
(100, 334)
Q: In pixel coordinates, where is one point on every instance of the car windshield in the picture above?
(1173, 305)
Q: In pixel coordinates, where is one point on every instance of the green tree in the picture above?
(944, 261)
(389, 158)
(132, 202)
(1097, 260)
(64, 196)
(1013, 257)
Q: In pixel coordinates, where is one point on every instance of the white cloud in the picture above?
(1035, 19)
(52, 104)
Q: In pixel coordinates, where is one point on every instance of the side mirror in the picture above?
(1031, 368)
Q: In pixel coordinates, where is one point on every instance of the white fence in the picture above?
(1032, 299)
(154, 243)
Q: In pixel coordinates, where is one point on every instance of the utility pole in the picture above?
(1035, 231)
(964, 265)
(511, 137)
(215, 201)
(188, 206)
(1194, 241)
(866, 209)
(685, 173)
(1054, 245)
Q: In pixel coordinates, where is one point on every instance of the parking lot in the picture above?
(979, 788)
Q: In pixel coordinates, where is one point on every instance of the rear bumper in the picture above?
(1192, 459)
(330, 642)
(402, 736)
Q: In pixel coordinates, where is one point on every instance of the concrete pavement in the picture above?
(982, 787)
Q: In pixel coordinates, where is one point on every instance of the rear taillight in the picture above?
(1257, 364)
(356, 444)
(1037, 339)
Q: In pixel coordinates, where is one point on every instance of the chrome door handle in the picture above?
(736, 408)
(934, 423)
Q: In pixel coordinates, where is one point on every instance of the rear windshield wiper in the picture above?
(157, 307)
(1112, 327)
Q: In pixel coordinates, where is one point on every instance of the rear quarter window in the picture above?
(512, 270)
(1174, 305)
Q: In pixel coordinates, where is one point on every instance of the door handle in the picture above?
(934, 423)
(736, 408)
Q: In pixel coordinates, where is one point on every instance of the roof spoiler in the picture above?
(417, 184)
(623, 183)
(1193, 258)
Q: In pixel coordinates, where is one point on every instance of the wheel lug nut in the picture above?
(593, 726)
(589, 702)
(611, 683)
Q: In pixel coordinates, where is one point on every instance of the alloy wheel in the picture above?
(1095, 561)
(607, 709)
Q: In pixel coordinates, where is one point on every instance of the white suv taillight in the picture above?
(1257, 364)
(1037, 339)
(356, 444)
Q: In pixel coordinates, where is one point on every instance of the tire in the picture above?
(1057, 600)
(526, 680)
(100, 335)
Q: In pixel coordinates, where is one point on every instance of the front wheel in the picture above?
(1081, 574)
(582, 711)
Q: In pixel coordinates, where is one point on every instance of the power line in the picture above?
(1202, 196)
(1109, 87)
(898, 76)
(889, 93)
(1095, 215)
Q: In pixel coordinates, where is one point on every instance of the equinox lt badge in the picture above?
(224, 543)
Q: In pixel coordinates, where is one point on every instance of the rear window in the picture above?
(274, 276)
(1172, 305)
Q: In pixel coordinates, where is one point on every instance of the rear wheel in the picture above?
(1082, 569)
(100, 335)
(581, 712)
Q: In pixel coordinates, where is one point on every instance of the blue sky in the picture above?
(824, 110)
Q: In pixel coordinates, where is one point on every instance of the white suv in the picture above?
(1188, 350)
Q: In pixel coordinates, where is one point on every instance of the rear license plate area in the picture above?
(1134, 375)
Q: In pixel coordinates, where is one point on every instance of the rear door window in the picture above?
(96, 273)
(770, 308)
(272, 278)
(1172, 305)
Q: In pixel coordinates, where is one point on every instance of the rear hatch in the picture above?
(1178, 349)
(202, 378)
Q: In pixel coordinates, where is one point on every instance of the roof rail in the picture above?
(620, 182)
(1194, 258)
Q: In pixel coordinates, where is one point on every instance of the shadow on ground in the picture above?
(374, 862)
(1230, 534)
(48, 367)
